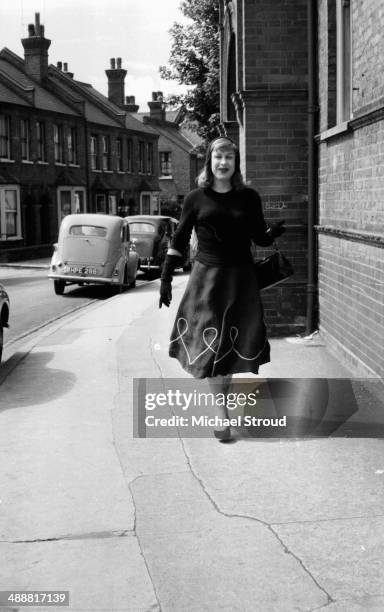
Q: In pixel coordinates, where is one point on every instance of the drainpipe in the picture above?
(311, 319)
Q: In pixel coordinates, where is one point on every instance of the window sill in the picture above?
(108, 171)
(74, 165)
(27, 161)
(61, 164)
(120, 171)
(96, 171)
(341, 128)
(11, 238)
(42, 163)
(7, 160)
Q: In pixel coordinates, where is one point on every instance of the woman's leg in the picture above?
(220, 385)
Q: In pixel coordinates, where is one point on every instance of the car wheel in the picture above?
(59, 286)
(1, 340)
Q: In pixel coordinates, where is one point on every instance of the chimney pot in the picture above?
(42, 31)
(37, 24)
(31, 29)
(154, 96)
(159, 96)
(59, 65)
(118, 62)
(113, 65)
(65, 67)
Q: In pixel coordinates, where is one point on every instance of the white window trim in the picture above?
(72, 190)
(3, 189)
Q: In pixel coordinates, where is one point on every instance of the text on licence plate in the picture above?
(82, 270)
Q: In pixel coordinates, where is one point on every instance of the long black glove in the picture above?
(170, 263)
(276, 229)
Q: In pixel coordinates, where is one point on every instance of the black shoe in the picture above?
(223, 435)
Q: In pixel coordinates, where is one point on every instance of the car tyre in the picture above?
(59, 286)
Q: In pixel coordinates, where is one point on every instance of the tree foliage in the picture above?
(194, 62)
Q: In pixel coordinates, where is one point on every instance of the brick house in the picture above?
(179, 162)
(302, 89)
(64, 147)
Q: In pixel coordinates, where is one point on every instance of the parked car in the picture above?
(152, 235)
(94, 248)
(4, 315)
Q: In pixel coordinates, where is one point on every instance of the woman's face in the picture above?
(223, 163)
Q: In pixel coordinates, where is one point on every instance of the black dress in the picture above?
(219, 326)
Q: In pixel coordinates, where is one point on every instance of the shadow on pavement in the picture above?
(33, 383)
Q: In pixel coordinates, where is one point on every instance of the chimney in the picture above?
(66, 71)
(36, 50)
(130, 104)
(116, 77)
(157, 106)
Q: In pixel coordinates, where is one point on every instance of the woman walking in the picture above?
(219, 328)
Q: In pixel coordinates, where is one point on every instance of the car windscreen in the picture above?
(88, 230)
(142, 228)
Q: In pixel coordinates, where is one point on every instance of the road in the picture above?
(34, 303)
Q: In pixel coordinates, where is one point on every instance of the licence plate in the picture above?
(85, 270)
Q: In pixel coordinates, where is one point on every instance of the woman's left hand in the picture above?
(277, 229)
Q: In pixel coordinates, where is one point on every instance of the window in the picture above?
(129, 155)
(72, 145)
(40, 141)
(10, 224)
(5, 137)
(106, 153)
(119, 155)
(141, 156)
(101, 203)
(71, 200)
(95, 165)
(343, 61)
(88, 230)
(25, 140)
(145, 204)
(112, 204)
(58, 143)
(166, 164)
(149, 158)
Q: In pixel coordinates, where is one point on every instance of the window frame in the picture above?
(72, 146)
(5, 139)
(106, 153)
(41, 148)
(3, 224)
(94, 153)
(343, 61)
(25, 140)
(58, 144)
(164, 163)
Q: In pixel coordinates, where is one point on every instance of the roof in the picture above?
(12, 69)
(62, 94)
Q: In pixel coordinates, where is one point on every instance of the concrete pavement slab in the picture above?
(346, 556)
(279, 482)
(201, 559)
(102, 575)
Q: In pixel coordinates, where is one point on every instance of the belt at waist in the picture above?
(221, 259)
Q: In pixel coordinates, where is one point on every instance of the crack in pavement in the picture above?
(129, 487)
(260, 521)
(92, 535)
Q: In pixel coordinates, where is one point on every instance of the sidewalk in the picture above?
(184, 524)
(30, 263)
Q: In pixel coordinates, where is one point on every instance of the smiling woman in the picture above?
(219, 328)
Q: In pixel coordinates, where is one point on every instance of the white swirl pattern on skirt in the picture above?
(233, 334)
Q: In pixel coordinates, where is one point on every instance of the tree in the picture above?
(194, 62)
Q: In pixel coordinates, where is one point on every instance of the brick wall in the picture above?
(351, 195)
(273, 140)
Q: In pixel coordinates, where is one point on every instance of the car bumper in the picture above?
(75, 278)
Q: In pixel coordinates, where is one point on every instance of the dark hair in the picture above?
(206, 178)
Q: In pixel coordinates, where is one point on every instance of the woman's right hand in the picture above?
(165, 293)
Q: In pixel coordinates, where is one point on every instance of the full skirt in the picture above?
(219, 327)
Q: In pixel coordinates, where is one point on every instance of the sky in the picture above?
(87, 33)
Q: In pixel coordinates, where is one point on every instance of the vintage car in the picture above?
(152, 235)
(94, 248)
(4, 315)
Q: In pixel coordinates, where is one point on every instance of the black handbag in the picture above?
(272, 269)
